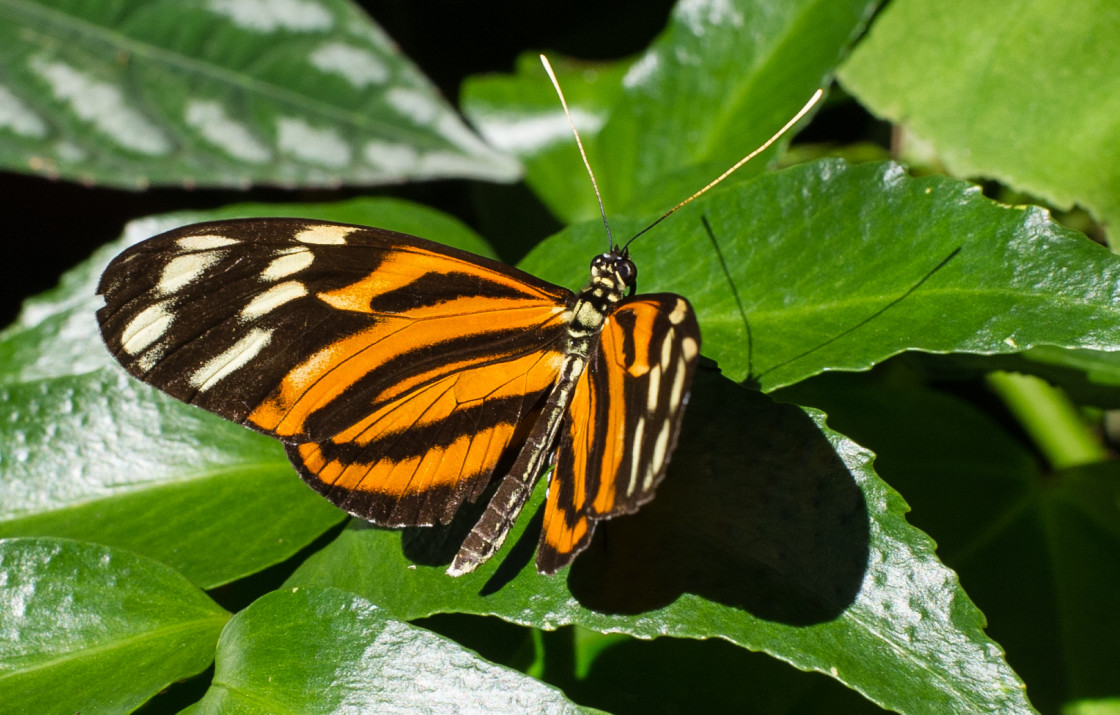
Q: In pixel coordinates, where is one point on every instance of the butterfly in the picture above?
(404, 376)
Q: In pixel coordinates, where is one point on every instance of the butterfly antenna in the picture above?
(765, 145)
(579, 143)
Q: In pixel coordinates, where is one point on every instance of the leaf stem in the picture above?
(1049, 417)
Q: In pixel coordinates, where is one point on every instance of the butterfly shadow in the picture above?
(757, 512)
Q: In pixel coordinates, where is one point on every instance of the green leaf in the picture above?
(717, 82)
(326, 651)
(99, 457)
(838, 267)
(1010, 278)
(91, 629)
(1026, 93)
(1036, 550)
(92, 454)
(307, 93)
(770, 531)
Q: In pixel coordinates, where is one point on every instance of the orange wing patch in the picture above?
(326, 375)
(409, 264)
(432, 440)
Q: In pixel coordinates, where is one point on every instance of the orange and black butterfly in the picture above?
(400, 373)
(404, 376)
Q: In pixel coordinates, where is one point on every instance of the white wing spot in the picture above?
(206, 242)
(680, 310)
(689, 349)
(654, 388)
(273, 298)
(183, 270)
(324, 234)
(221, 366)
(292, 260)
(148, 326)
(666, 351)
(678, 387)
(660, 451)
(639, 433)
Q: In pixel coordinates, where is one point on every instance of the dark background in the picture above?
(50, 226)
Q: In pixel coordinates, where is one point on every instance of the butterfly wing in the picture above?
(394, 368)
(622, 423)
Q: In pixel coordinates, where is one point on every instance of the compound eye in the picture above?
(627, 271)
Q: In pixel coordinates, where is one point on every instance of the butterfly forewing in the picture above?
(623, 422)
(396, 369)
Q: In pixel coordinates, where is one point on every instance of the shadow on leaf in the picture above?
(758, 512)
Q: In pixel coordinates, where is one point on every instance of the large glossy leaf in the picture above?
(1036, 550)
(305, 92)
(1053, 292)
(91, 629)
(770, 531)
(98, 457)
(1024, 92)
(327, 651)
(90, 453)
(719, 80)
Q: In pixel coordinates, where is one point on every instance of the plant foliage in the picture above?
(877, 337)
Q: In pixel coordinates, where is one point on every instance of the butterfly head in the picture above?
(614, 272)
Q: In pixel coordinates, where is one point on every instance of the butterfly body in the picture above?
(404, 376)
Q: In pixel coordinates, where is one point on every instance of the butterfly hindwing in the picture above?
(622, 423)
(395, 369)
